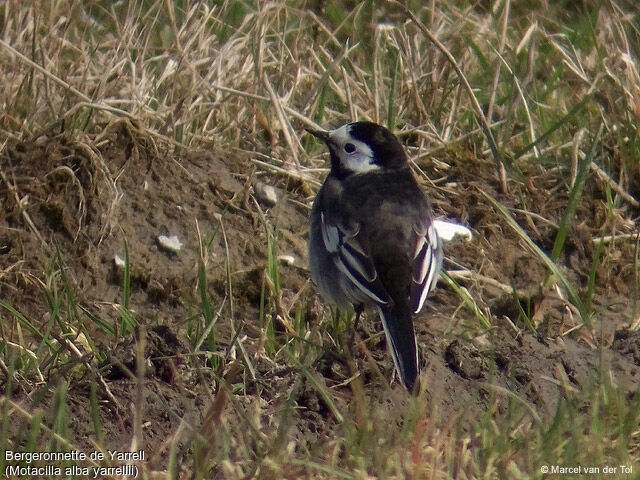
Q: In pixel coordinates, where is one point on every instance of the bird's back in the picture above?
(387, 209)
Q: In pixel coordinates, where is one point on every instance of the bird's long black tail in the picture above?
(398, 327)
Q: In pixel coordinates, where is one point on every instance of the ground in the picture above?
(89, 197)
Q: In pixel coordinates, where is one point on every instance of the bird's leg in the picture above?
(358, 309)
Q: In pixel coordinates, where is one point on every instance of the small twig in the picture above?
(4, 369)
(614, 185)
(612, 238)
(575, 154)
(537, 216)
(477, 277)
(283, 171)
(347, 88)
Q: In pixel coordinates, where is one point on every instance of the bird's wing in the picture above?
(351, 257)
(427, 259)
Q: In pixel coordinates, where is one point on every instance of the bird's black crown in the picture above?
(386, 148)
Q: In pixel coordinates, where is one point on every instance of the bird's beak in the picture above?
(322, 135)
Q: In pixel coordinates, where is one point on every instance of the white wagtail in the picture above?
(373, 243)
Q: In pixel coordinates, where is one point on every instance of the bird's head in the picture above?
(362, 147)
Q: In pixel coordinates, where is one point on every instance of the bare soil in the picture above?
(86, 196)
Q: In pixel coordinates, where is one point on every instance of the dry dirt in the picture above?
(87, 196)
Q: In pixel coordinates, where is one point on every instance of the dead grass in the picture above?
(522, 119)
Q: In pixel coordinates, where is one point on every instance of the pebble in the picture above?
(170, 243)
(266, 194)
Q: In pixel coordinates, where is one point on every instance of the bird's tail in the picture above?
(398, 327)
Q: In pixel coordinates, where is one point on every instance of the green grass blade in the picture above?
(95, 410)
(573, 294)
(205, 305)
(508, 393)
(60, 416)
(468, 301)
(126, 278)
(574, 199)
(320, 389)
(574, 111)
(635, 319)
(30, 326)
(591, 285)
(104, 326)
(127, 319)
(5, 442)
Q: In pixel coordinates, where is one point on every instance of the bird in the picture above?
(372, 241)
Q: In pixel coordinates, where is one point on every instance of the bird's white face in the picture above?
(354, 154)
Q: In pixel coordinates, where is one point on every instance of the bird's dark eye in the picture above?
(349, 147)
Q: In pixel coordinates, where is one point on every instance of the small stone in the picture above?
(482, 342)
(266, 194)
(170, 243)
(289, 260)
(118, 262)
